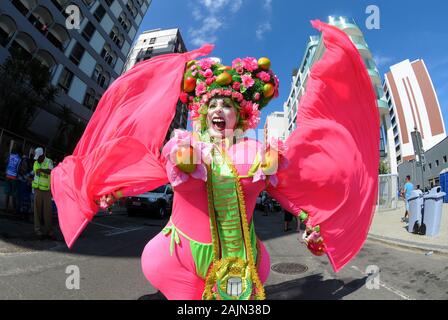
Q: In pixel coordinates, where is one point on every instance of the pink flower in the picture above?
(237, 63)
(263, 76)
(250, 64)
(184, 97)
(237, 96)
(194, 73)
(207, 73)
(239, 70)
(236, 86)
(209, 81)
(249, 111)
(257, 96)
(193, 67)
(247, 80)
(206, 63)
(200, 88)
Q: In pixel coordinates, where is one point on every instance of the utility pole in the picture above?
(419, 153)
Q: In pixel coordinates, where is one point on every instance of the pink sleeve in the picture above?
(334, 153)
(120, 148)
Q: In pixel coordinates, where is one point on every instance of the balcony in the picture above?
(383, 107)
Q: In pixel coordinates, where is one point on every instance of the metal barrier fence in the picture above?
(388, 192)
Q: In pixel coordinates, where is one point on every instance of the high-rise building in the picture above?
(156, 42)
(83, 61)
(275, 126)
(413, 105)
(315, 49)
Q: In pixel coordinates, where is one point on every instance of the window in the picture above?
(445, 160)
(437, 163)
(152, 41)
(89, 99)
(20, 6)
(116, 38)
(77, 53)
(430, 166)
(123, 20)
(99, 13)
(107, 55)
(65, 80)
(88, 31)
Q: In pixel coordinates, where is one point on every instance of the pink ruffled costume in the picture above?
(332, 170)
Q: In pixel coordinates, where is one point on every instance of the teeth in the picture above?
(218, 121)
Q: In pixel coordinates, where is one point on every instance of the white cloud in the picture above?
(265, 27)
(383, 61)
(267, 5)
(207, 32)
(262, 29)
(211, 13)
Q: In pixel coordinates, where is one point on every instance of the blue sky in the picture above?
(279, 29)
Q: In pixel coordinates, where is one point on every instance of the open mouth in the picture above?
(219, 124)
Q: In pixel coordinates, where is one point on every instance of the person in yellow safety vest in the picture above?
(42, 195)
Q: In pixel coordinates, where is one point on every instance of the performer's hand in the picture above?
(106, 201)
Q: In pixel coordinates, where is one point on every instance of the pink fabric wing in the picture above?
(334, 153)
(120, 148)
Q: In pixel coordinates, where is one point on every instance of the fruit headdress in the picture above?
(250, 83)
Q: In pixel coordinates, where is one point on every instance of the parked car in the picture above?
(158, 202)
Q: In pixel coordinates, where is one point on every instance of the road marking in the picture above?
(114, 233)
(399, 293)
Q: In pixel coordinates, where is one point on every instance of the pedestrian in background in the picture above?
(406, 194)
(12, 171)
(287, 218)
(42, 195)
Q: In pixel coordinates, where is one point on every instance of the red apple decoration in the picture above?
(189, 84)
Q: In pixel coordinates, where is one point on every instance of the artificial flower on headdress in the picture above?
(186, 156)
(249, 82)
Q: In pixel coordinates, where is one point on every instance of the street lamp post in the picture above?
(419, 153)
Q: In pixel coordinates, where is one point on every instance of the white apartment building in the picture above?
(156, 42)
(413, 104)
(275, 126)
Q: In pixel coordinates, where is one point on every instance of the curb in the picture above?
(436, 249)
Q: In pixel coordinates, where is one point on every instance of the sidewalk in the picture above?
(387, 227)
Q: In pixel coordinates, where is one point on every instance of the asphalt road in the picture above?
(107, 257)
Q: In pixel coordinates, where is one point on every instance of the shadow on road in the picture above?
(313, 288)
(309, 288)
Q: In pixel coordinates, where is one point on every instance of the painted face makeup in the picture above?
(221, 117)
